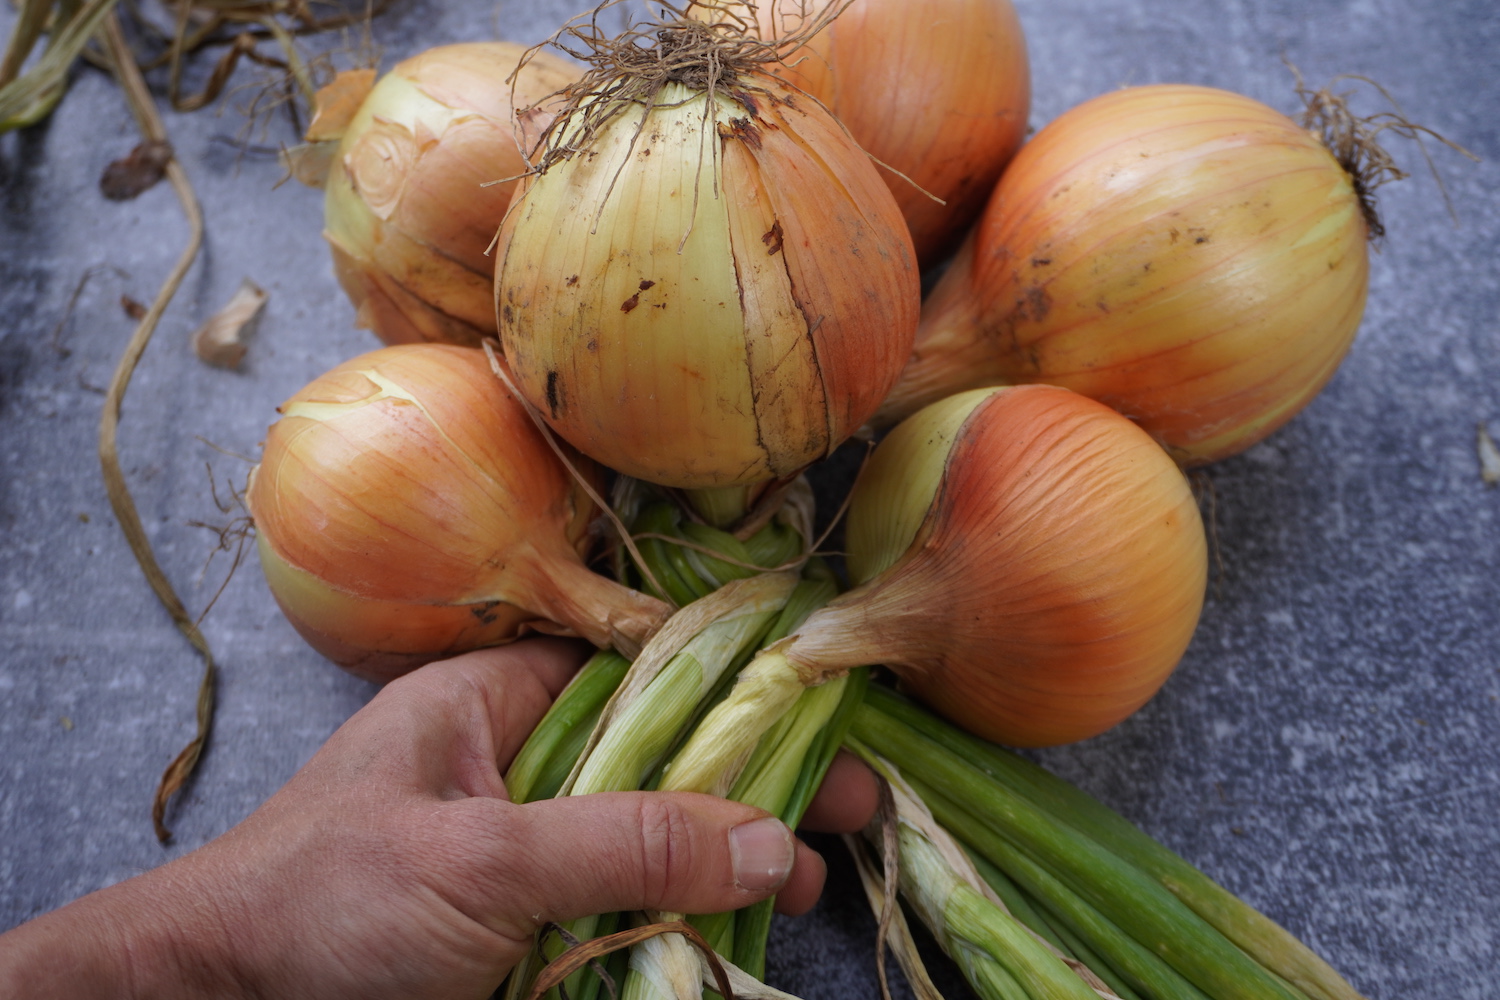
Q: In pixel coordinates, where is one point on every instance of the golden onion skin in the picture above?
(937, 90)
(407, 213)
(406, 508)
(708, 321)
(1189, 256)
(1052, 583)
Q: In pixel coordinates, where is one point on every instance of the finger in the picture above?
(446, 728)
(679, 851)
(519, 683)
(802, 890)
(847, 799)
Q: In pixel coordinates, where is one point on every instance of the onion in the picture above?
(1030, 562)
(938, 90)
(1187, 255)
(406, 508)
(407, 213)
(1062, 550)
(719, 290)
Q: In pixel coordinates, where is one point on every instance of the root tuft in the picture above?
(1356, 142)
(704, 45)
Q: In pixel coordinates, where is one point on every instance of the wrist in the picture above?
(148, 937)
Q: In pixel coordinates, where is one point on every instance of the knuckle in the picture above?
(667, 848)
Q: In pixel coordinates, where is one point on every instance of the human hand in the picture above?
(393, 863)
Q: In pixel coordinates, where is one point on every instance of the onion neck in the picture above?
(955, 349)
(834, 640)
(600, 610)
(883, 621)
(721, 506)
(764, 692)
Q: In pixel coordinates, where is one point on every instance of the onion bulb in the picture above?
(407, 212)
(406, 508)
(718, 288)
(1189, 256)
(937, 90)
(1027, 560)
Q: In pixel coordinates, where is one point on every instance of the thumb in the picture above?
(680, 851)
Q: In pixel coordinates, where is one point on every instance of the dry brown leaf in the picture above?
(136, 172)
(223, 340)
(1489, 457)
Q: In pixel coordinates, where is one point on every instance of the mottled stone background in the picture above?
(1329, 749)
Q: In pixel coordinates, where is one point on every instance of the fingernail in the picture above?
(762, 851)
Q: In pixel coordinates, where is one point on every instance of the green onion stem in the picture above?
(643, 732)
(1119, 890)
(987, 976)
(775, 545)
(661, 519)
(720, 507)
(717, 572)
(960, 916)
(1016, 900)
(570, 715)
(1140, 967)
(1029, 912)
(1266, 941)
(1097, 965)
(555, 774)
(753, 929)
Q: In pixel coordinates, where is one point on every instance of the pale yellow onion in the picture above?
(709, 311)
(1028, 561)
(407, 214)
(1189, 256)
(406, 508)
(937, 90)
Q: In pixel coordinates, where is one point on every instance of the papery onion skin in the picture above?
(1053, 584)
(407, 212)
(407, 508)
(939, 90)
(1187, 255)
(706, 318)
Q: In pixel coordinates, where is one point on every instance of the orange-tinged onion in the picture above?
(1028, 561)
(714, 297)
(1189, 256)
(1031, 562)
(938, 90)
(407, 212)
(406, 508)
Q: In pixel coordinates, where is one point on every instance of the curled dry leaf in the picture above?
(136, 172)
(1489, 457)
(223, 340)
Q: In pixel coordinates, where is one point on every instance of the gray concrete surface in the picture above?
(1329, 749)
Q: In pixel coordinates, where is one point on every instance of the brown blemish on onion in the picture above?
(552, 393)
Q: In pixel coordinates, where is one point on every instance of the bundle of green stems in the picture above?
(1035, 889)
(1077, 875)
(733, 602)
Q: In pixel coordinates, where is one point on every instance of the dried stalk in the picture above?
(153, 129)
